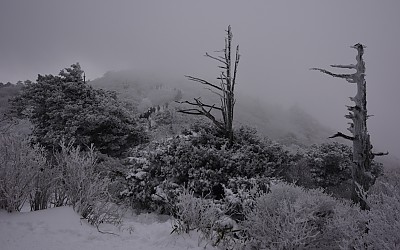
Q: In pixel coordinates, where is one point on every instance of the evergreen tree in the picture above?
(64, 107)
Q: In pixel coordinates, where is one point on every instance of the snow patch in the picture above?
(61, 228)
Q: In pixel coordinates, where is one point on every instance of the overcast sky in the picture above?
(279, 41)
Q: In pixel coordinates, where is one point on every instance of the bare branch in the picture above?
(190, 111)
(216, 58)
(212, 91)
(203, 113)
(235, 69)
(198, 103)
(338, 134)
(350, 66)
(199, 80)
(380, 153)
(345, 76)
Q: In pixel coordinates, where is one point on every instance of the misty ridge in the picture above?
(287, 125)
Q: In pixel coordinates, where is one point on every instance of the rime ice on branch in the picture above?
(225, 90)
(362, 154)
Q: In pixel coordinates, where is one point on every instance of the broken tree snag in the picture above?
(362, 155)
(224, 90)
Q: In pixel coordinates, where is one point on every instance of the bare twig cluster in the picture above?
(225, 90)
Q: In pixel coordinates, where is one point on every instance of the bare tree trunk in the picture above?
(362, 154)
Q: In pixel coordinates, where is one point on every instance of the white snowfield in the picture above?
(61, 228)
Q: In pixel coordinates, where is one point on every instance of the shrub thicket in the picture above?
(20, 167)
(71, 178)
(327, 166)
(200, 160)
(384, 214)
(80, 183)
(291, 217)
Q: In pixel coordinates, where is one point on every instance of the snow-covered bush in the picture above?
(20, 165)
(86, 189)
(195, 213)
(42, 194)
(384, 214)
(205, 215)
(200, 160)
(327, 166)
(241, 193)
(76, 171)
(291, 217)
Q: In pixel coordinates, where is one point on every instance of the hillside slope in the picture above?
(287, 125)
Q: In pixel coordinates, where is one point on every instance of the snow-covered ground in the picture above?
(61, 228)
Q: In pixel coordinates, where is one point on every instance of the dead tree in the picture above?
(362, 154)
(225, 90)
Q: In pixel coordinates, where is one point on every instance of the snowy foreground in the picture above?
(61, 228)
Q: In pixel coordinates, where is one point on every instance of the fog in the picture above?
(279, 42)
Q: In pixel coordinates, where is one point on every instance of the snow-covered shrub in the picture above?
(20, 164)
(330, 164)
(345, 227)
(241, 194)
(205, 215)
(291, 217)
(97, 205)
(380, 224)
(42, 193)
(384, 214)
(195, 213)
(86, 189)
(140, 182)
(200, 160)
(76, 171)
(327, 166)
